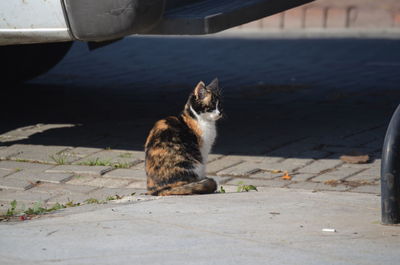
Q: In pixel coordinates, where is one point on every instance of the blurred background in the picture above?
(352, 17)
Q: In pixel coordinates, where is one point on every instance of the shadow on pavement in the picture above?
(302, 95)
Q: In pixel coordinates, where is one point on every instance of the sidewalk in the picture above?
(272, 226)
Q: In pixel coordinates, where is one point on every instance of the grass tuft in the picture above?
(99, 162)
(60, 159)
(245, 188)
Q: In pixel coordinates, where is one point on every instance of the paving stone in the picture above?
(313, 154)
(57, 189)
(84, 170)
(294, 149)
(99, 182)
(27, 131)
(139, 166)
(4, 205)
(317, 186)
(81, 152)
(63, 198)
(369, 174)
(261, 159)
(330, 140)
(337, 174)
(257, 182)
(302, 176)
(374, 189)
(320, 166)
(113, 157)
(220, 179)
(243, 169)
(23, 196)
(34, 176)
(222, 163)
(341, 150)
(14, 165)
(15, 184)
(34, 153)
(80, 180)
(137, 155)
(104, 193)
(374, 145)
(212, 157)
(288, 165)
(361, 138)
(124, 173)
(266, 175)
(54, 177)
(108, 182)
(137, 185)
(6, 153)
(4, 172)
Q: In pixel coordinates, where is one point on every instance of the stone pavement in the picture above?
(292, 106)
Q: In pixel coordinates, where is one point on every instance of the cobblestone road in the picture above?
(292, 106)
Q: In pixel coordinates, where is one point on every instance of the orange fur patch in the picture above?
(193, 124)
(160, 125)
(207, 99)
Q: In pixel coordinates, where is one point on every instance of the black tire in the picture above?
(24, 62)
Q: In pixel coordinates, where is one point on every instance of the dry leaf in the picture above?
(355, 158)
(332, 182)
(276, 171)
(286, 176)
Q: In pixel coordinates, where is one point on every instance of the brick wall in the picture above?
(334, 14)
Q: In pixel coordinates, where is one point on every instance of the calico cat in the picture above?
(177, 147)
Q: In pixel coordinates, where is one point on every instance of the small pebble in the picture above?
(332, 230)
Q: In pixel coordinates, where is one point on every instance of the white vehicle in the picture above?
(36, 34)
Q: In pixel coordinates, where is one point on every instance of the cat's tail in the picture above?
(204, 186)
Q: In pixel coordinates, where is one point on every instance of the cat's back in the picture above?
(166, 131)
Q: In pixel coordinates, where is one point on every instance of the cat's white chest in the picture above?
(209, 132)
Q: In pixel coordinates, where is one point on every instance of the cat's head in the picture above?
(204, 102)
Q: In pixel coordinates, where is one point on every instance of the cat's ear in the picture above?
(213, 85)
(200, 90)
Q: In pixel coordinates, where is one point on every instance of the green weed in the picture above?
(245, 188)
(92, 201)
(125, 155)
(112, 198)
(60, 159)
(39, 209)
(98, 162)
(11, 211)
(95, 162)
